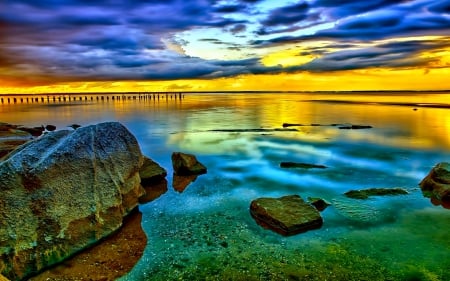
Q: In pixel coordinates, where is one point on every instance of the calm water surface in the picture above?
(206, 232)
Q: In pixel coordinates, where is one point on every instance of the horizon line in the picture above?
(224, 92)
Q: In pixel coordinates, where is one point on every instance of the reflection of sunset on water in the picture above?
(396, 125)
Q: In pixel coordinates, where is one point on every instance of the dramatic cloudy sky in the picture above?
(78, 45)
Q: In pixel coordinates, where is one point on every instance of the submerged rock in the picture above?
(355, 127)
(358, 212)
(437, 183)
(301, 165)
(63, 192)
(366, 193)
(319, 203)
(286, 215)
(285, 125)
(187, 164)
(254, 130)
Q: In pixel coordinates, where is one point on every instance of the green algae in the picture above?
(366, 193)
(190, 247)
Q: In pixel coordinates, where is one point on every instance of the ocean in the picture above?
(206, 232)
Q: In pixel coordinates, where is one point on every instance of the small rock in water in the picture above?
(291, 125)
(356, 127)
(50, 128)
(319, 203)
(286, 215)
(74, 126)
(187, 164)
(365, 193)
(437, 183)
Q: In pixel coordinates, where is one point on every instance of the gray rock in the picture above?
(286, 215)
(437, 183)
(63, 192)
(187, 164)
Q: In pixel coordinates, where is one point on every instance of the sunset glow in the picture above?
(315, 45)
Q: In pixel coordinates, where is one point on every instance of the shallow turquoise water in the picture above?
(207, 233)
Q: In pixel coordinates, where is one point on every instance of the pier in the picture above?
(89, 97)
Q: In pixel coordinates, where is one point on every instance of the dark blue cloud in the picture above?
(344, 8)
(230, 8)
(440, 7)
(403, 20)
(287, 15)
(138, 39)
(402, 54)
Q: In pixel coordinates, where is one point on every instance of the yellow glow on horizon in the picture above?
(367, 79)
(286, 58)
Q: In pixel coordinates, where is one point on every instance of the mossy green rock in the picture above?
(366, 193)
(287, 215)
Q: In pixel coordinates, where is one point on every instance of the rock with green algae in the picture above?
(287, 215)
(63, 192)
(437, 183)
(366, 193)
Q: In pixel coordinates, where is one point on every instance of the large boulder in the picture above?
(287, 215)
(186, 164)
(437, 183)
(63, 192)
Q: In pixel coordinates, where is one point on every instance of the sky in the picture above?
(210, 45)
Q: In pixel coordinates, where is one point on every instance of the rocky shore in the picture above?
(70, 200)
(65, 191)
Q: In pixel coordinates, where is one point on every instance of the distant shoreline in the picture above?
(371, 92)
